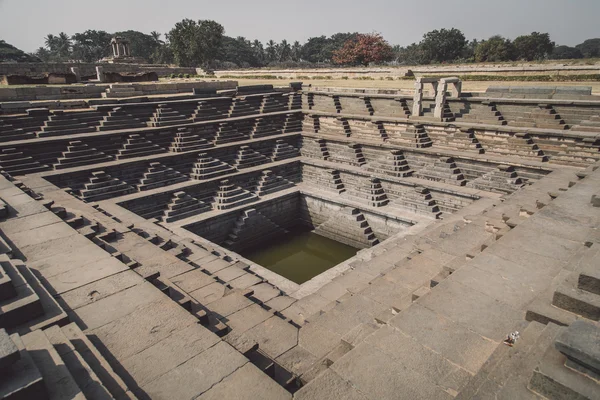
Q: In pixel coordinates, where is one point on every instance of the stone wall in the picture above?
(89, 69)
(94, 91)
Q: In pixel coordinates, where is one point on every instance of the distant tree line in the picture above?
(203, 43)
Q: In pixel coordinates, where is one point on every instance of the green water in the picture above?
(300, 255)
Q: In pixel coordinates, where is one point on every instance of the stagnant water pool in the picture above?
(300, 254)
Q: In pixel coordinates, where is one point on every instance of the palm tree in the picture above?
(296, 51)
(50, 42)
(156, 36)
(271, 51)
(284, 51)
(63, 46)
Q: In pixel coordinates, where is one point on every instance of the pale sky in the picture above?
(25, 23)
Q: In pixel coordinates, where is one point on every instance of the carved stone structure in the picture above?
(122, 227)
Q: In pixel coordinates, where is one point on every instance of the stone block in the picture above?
(9, 353)
(580, 342)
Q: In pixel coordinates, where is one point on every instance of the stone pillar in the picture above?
(440, 99)
(114, 49)
(75, 71)
(100, 73)
(456, 89)
(126, 49)
(418, 98)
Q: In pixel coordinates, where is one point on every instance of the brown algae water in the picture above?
(300, 254)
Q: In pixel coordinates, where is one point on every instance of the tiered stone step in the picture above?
(19, 302)
(247, 105)
(543, 117)
(293, 123)
(350, 154)
(271, 183)
(369, 191)
(461, 139)
(334, 126)
(417, 199)
(570, 369)
(208, 167)
(230, 196)
(167, 116)
(284, 151)
(348, 226)
(248, 157)
(589, 125)
(103, 186)
(186, 140)
(368, 130)
(138, 146)
(484, 113)
(21, 378)
(394, 164)
(229, 132)
(183, 205)
(211, 110)
(69, 365)
(508, 369)
(159, 175)
(120, 91)
(121, 118)
(445, 170)
(519, 144)
(79, 153)
(251, 229)
(61, 123)
(311, 123)
(16, 163)
(323, 179)
(314, 148)
(412, 136)
(580, 293)
(503, 179)
(266, 126)
(274, 103)
(295, 101)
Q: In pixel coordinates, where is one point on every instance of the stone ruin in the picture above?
(476, 215)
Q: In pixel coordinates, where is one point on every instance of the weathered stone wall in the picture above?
(283, 211)
(88, 69)
(93, 91)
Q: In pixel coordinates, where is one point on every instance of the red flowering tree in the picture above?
(363, 49)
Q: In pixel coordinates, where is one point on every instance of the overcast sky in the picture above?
(24, 23)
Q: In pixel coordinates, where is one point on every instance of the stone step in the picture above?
(569, 297)
(59, 382)
(22, 379)
(553, 380)
(97, 362)
(24, 306)
(86, 379)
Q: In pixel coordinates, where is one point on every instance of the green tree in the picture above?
(363, 50)
(91, 46)
(259, 53)
(443, 45)
(296, 53)
(284, 51)
(565, 53)
(59, 47)
(271, 51)
(536, 46)
(11, 53)
(495, 49)
(590, 48)
(313, 49)
(196, 43)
